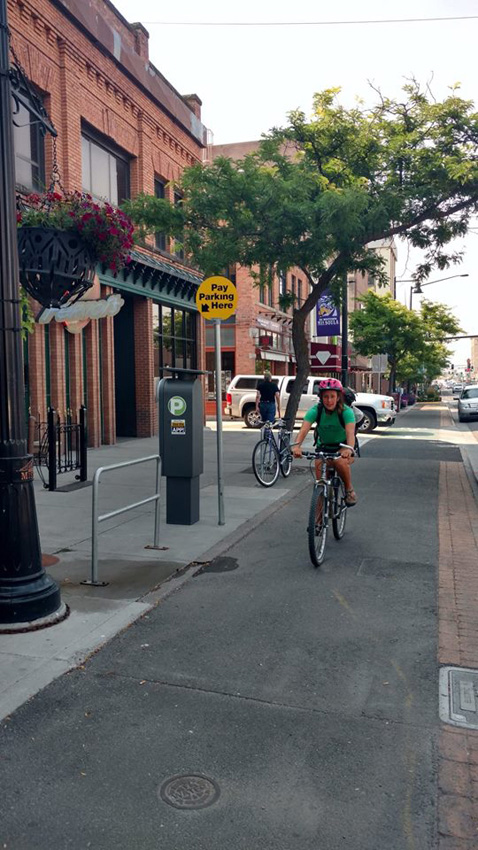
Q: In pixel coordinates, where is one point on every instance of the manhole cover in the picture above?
(459, 696)
(189, 791)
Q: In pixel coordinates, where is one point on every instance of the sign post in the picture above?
(216, 299)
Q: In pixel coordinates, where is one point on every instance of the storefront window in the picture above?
(228, 333)
(174, 335)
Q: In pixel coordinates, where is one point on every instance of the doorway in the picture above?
(125, 385)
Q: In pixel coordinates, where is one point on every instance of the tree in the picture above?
(318, 191)
(412, 341)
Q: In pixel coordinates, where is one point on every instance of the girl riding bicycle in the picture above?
(335, 425)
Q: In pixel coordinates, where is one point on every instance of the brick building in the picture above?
(122, 129)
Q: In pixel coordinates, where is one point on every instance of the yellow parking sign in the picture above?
(216, 298)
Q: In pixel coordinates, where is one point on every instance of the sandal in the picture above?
(350, 498)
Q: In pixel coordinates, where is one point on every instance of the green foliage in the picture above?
(27, 317)
(106, 231)
(317, 192)
(413, 341)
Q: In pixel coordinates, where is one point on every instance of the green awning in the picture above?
(154, 278)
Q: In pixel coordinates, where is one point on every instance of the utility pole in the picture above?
(26, 593)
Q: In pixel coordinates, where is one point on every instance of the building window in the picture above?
(178, 252)
(160, 192)
(29, 150)
(105, 171)
(283, 283)
(174, 334)
(293, 289)
(228, 333)
(262, 293)
(299, 293)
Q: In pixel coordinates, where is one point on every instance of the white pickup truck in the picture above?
(241, 401)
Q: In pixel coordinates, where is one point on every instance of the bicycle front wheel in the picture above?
(340, 509)
(265, 463)
(317, 528)
(285, 457)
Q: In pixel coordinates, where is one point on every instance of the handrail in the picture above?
(97, 519)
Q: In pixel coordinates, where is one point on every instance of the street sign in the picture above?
(176, 405)
(216, 298)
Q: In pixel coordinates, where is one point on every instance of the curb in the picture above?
(178, 579)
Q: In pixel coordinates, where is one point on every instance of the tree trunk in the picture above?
(301, 349)
(391, 380)
(299, 337)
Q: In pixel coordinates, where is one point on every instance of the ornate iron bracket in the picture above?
(23, 94)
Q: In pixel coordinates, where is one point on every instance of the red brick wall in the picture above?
(93, 384)
(36, 346)
(57, 368)
(82, 82)
(75, 349)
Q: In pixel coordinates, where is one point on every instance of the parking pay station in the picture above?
(181, 443)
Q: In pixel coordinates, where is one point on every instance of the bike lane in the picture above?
(310, 697)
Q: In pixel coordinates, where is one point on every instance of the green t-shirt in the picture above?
(330, 431)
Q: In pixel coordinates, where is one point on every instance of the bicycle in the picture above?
(272, 454)
(327, 503)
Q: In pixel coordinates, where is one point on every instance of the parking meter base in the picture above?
(182, 500)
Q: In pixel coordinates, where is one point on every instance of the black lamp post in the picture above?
(26, 593)
(345, 332)
(417, 288)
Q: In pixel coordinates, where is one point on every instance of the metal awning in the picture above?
(154, 278)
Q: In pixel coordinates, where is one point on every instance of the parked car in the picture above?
(241, 401)
(457, 390)
(468, 403)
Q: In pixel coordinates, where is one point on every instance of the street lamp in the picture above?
(417, 289)
(27, 594)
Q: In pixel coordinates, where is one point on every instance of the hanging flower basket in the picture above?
(61, 239)
(55, 265)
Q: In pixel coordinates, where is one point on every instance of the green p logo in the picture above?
(176, 405)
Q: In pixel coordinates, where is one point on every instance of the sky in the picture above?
(250, 76)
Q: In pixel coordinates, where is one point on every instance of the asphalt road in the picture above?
(309, 696)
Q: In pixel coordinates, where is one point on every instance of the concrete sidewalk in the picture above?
(136, 575)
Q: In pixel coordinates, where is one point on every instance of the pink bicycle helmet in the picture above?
(330, 384)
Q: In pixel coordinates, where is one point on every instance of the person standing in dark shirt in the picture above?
(267, 397)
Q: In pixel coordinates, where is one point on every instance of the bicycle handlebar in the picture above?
(327, 455)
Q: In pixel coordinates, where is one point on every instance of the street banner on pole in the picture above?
(328, 319)
(216, 298)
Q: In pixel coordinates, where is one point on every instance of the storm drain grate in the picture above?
(459, 696)
(189, 791)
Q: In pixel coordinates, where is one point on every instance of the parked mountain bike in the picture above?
(272, 454)
(327, 503)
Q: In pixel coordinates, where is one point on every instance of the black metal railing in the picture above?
(59, 446)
